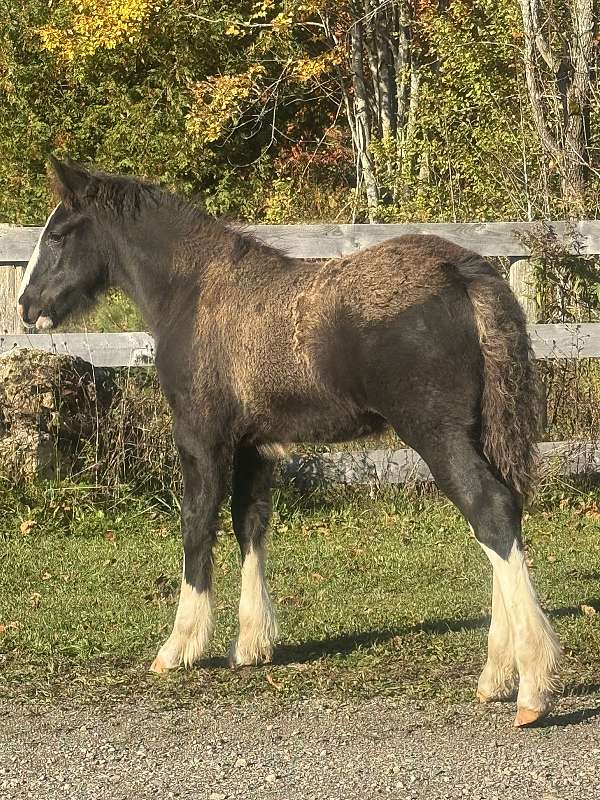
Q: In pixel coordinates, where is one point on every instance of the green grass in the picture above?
(383, 595)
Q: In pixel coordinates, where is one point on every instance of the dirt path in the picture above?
(369, 750)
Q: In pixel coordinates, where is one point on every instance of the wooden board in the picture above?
(10, 280)
(101, 349)
(405, 466)
(16, 244)
(569, 340)
(331, 241)
(137, 348)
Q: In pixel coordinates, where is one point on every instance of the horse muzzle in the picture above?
(33, 316)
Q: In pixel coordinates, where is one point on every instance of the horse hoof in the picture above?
(527, 716)
(483, 698)
(158, 666)
(248, 657)
(237, 661)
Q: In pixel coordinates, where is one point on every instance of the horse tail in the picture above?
(510, 403)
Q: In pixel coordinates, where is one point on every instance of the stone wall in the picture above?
(50, 409)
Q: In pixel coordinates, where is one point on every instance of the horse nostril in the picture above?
(23, 308)
(28, 312)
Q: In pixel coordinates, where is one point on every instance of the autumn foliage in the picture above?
(284, 110)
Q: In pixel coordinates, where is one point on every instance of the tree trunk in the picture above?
(384, 32)
(559, 88)
(408, 155)
(578, 106)
(363, 123)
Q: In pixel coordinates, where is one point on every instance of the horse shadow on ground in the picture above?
(346, 643)
(576, 717)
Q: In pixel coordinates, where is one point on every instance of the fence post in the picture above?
(522, 283)
(10, 281)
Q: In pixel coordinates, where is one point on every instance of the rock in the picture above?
(50, 407)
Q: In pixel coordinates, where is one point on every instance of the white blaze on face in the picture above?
(31, 265)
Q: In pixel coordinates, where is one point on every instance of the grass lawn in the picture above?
(384, 594)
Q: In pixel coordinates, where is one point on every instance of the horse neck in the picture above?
(146, 268)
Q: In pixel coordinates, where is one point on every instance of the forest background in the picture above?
(309, 110)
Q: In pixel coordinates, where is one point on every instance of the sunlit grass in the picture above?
(375, 595)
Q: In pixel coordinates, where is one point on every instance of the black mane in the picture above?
(124, 197)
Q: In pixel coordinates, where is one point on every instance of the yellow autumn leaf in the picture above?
(96, 25)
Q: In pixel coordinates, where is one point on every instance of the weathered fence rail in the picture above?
(136, 348)
(576, 340)
(314, 241)
(405, 466)
(332, 241)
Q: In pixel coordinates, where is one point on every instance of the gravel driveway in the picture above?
(312, 750)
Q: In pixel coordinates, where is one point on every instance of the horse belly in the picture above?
(336, 422)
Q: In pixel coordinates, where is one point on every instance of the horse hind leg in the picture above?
(499, 678)
(521, 637)
(536, 647)
(251, 511)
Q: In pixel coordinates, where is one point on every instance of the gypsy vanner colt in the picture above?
(255, 350)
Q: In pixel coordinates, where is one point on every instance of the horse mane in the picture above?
(126, 197)
(123, 198)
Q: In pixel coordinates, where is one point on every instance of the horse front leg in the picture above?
(251, 510)
(204, 475)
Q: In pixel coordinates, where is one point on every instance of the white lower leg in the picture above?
(258, 627)
(499, 677)
(191, 631)
(536, 648)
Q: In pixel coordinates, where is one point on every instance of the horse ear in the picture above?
(72, 182)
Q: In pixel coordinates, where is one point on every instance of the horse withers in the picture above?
(255, 350)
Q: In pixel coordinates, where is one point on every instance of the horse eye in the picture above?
(55, 236)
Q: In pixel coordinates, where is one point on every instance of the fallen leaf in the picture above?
(317, 577)
(35, 599)
(273, 682)
(46, 576)
(26, 526)
(110, 536)
(9, 626)
(289, 600)
(589, 611)
(552, 558)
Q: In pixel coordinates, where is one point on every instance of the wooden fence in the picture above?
(575, 340)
